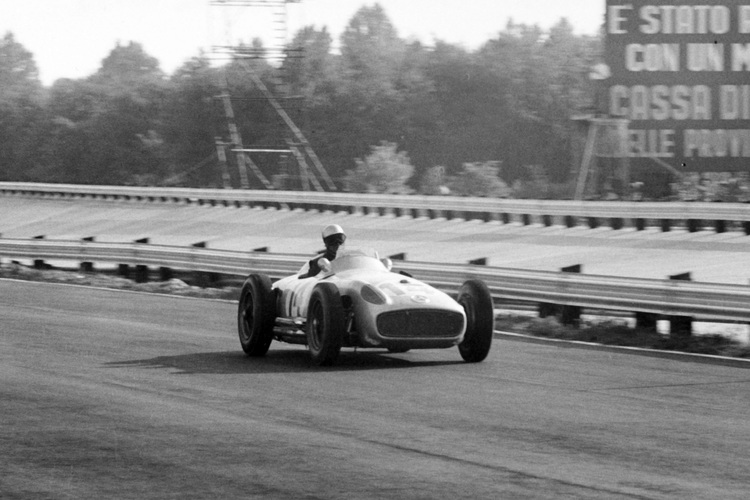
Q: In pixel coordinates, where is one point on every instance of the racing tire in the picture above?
(256, 315)
(325, 324)
(476, 300)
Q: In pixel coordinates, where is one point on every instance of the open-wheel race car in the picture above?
(357, 301)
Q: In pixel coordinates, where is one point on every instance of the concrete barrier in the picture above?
(725, 216)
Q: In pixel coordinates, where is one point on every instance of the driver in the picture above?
(333, 238)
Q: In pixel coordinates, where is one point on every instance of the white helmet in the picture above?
(332, 230)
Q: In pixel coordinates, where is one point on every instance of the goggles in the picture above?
(335, 239)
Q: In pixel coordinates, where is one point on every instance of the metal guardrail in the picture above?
(709, 301)
(418, 205)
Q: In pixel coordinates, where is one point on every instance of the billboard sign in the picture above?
(679, 71)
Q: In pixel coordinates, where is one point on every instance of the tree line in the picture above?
(382, 113)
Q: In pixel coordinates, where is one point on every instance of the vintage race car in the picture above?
(357, 301)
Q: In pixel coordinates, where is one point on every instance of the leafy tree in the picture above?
(364, 108)
(545, 79)
(189, 122)
(479, 179)
(104, 129)
(371, 51)
(21, 110)
(511, 100)
(310, 67)
(384, 170)
(471, 116)
(129, 65)
(433, 181)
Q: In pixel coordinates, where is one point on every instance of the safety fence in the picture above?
(656, 297)
(616, 214)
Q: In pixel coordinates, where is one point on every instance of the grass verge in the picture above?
(171, 287)
(619, 334)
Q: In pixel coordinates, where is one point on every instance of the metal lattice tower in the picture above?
(296, 148)
(605, 140)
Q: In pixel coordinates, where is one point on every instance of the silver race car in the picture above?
(357, 301)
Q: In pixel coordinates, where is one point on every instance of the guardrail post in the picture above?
(640, 224)
(141, 273)
(616, 223)
(746, 227)
(570, 221)
(547, 309)
(694, 225)
(547, 220)
(205, 278)
(526, 219)
(123, 270)
(571, 315)
(720, 226)
(593, 222)
(87, 266)
(645, 320)
(39, 263)
(666, 225)
(165, 273)
(680, 326)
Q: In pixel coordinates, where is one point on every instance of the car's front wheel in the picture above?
(325, 324)
(476, 300)
(256, 315)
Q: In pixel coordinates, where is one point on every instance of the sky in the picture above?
(69, 38)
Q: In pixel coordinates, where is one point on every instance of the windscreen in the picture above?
(357, 258)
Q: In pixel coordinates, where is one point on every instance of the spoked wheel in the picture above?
(256, 315)
(325, 324)
(476, 299)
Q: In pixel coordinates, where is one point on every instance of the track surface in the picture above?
(106, 394)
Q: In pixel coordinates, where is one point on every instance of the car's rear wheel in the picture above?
(256, 315)
(325, 324)
(476, 300)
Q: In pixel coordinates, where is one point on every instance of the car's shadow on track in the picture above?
(283, 361)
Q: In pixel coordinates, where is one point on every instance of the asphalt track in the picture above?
(108, 394)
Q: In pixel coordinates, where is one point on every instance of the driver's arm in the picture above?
(313, 268)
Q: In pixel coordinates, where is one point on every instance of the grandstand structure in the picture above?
(298, 167)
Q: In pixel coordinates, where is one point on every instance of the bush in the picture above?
(384, 170)
(479, 179)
